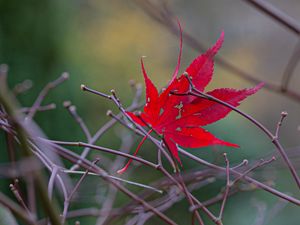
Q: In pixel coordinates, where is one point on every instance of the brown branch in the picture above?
(195, 92)
(134, 105)
(126, 144)
(191, 199)
(261, 163)
(43, 94)
(39, 109)
(164, 16)
(103, 149)
(279, 124)
(290, 67)
(117, 102)
(276, 14)
(8, 101)
(87, 164)
(22, 87)
(235, 173)
(246, 178)
(72, 110)
(17, 194)
(31, 195)
(227, 187)
(70, 196)
(189, 196)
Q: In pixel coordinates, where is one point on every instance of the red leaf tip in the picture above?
(214, 49)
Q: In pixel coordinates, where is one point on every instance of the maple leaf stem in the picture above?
(135, 153)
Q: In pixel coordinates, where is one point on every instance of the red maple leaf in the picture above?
(178, 119)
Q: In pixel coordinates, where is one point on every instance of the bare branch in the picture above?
(163, 15)
(290, 67)
(43, 94)
(195, 92)
(227, 187)
(276, 14)
(18, 196)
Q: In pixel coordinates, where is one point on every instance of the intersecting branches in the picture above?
(161, 13)
(273, 137)
(152, 199)
(239, 176)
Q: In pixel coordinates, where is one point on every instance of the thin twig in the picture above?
(18, 196)
(163, 15)
(189, 196)
(134, 105)
(72, 110)
(276, 14)
(9, 102)
(279, 124)
(290, 67)
(22, 87)
(195, 92)
(70, 196)
(108, 150)
(117, 102)
(40, 108)
(246, 178)
(243, 163)
(259, 184)
(115, 178)
(43, 94)
(107, 205)
(51, 181)
(85, 88)
(31, 195)
(227, 187)
(261, 163)
(50, 166)
(87, 164)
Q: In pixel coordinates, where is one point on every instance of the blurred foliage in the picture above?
(100, 42)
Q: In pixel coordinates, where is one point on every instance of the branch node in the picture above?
(83, 87)
(65, 75)
(67, 104)
(132, 83)
(109, 113)
(284, 114)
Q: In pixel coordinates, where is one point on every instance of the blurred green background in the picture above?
(100, 43)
